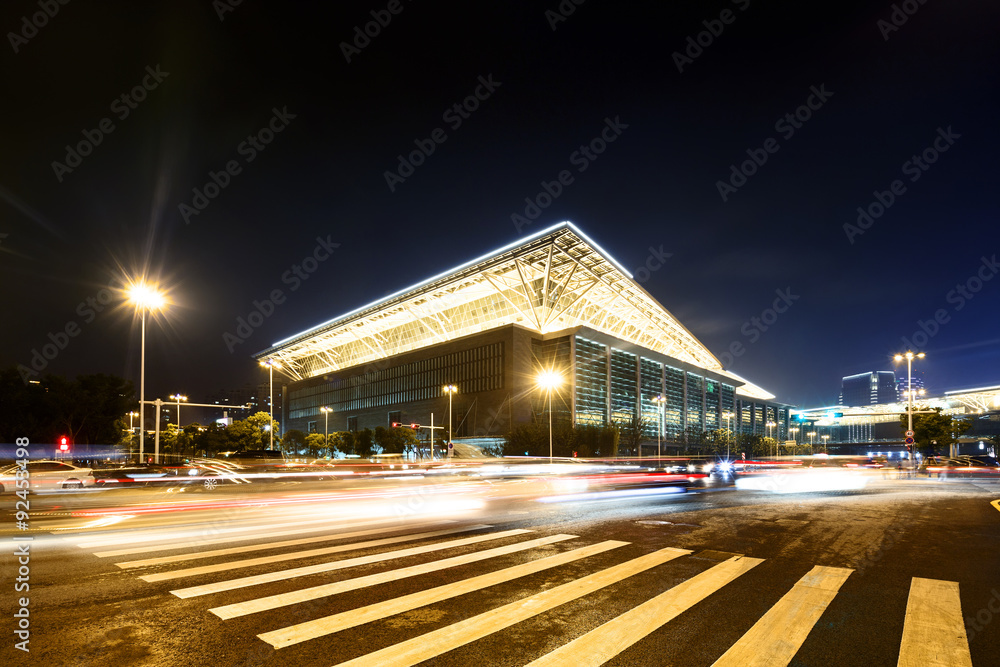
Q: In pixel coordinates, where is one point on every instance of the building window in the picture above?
(395, 416)
(352, 424)
(311, 427)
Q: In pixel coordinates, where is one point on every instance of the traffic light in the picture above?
(63, 444)
(396, 424)
(414, 426)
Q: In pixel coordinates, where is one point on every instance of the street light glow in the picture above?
(549, 380)
(146, 296)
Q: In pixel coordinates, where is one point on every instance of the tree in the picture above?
(400, 440)
(342, 441)
(935, 432)
(633, 432)
(364, 443)
(294, 440)
(315, 445)
(212, 440)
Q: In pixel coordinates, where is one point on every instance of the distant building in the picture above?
(902, 385)
(868, 388)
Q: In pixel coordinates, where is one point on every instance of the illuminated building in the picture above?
(554, 299)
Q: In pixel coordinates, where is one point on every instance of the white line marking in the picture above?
(329, 537)
(933, 631)
(354, 617)
(605, 642)
(270, 577)
(326, 590)
(298, 555)
(778, 635)
(441, 641)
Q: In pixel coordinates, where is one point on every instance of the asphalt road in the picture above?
(112, 578)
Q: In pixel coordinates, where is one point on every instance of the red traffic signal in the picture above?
(63, 444)
(396, 424)
(414, 426)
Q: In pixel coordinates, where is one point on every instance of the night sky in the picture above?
(309, 118)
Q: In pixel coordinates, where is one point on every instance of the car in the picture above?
(46, 475)
(969, 467)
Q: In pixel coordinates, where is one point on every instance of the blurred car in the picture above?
(961, 467)
(203, 473)
(46, 475)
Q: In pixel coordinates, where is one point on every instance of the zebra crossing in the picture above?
(933, 628)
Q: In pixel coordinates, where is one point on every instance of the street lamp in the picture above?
(659, 400)
(812, 436)
(825, 438)
(178, 398)
(270, 365)
(326, 440)
(449, 389)
(549, 380)
(909, 395)
(794, 432)
(144, 297)
(728, 417)
(771, 425)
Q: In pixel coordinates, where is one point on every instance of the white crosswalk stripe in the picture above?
(297, 555)
(197, 555)
(778, 635)
(933, 628)
(316, 592)
(933, 631)
(600, 645)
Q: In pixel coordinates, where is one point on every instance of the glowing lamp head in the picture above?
(146, 296)
(549, 380)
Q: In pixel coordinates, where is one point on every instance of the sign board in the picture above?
(909, 441)
(910, 434)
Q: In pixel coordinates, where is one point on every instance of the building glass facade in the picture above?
(694, 402)
(591, 382)
(623, 386)
(673, 410)
(473, 370)
(650, 386)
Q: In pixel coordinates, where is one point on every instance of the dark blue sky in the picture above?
(831, 103)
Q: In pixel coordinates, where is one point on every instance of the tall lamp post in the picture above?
(270, 365)
(144, 297)
(659, 400)
(326, 438)
(771, 425)
(178, 398)
(909, 396)
(825, 438)
(812, 438)
(549, 380)
(728, 416)
(795, 436)
(449, 389)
